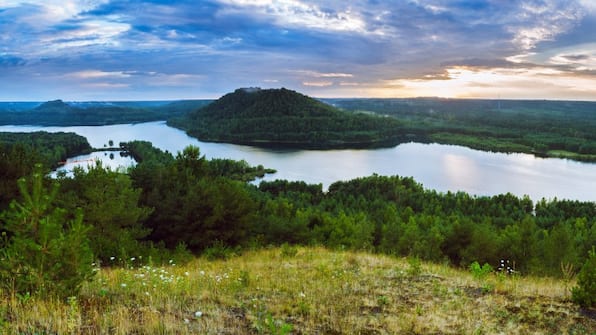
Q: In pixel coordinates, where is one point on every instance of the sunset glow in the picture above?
(123, 50)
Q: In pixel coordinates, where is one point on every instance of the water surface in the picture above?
(440, 167)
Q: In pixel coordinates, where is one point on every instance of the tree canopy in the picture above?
(285, 118)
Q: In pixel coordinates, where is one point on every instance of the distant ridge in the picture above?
(91, 113)
(285, 118)
(54, 106)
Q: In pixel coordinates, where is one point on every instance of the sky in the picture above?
(79, 50)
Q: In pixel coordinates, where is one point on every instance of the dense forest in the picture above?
(60, 113)
(19, 152)
(541, 127)
(169, 205)
(285, 118)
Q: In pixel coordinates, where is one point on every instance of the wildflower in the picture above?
(112, 258)
(198, 314)
(202, 273)
(187, 321)
(302, 295)
(132, 259)
(186, 273)
(123, 284)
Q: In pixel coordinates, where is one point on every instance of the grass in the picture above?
(309, 291)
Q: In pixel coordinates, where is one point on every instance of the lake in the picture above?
(440, 167)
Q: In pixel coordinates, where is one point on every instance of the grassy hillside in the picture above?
(302, 291)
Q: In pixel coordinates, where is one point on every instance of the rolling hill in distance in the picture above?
(284, 118)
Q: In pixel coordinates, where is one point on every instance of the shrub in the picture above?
(480, 272)
(218, 250)
(584, 293)
(42, 252)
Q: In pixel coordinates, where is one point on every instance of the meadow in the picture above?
(301, 290)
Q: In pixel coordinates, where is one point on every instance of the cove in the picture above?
(439, 167)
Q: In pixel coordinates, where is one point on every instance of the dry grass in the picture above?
(315, 291)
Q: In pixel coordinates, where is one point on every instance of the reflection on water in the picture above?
(440, 167)
(115, 160)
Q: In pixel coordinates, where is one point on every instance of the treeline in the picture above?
(19, 152)
(544, 128)
(60, 113)
(198, 202)
(288, 119)
(168, 205)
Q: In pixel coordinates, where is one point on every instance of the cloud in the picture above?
(93, 74)
(547, 20)
(325, 46)
(300, 14)
(316, 74)
(317, 83)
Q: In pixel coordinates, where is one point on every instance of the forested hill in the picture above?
(285, 118)
(60, 113)
(541, 127)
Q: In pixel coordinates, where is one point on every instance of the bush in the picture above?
(218, 250)
(584, 293)
(480, 272)
(41, 251)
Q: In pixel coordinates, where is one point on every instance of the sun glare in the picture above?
(462, 82)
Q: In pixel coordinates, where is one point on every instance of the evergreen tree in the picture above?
(43, 252)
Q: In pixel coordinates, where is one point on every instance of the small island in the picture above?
(286, 119)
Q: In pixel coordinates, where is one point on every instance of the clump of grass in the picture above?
(313, 291)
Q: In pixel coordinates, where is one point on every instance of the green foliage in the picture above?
(19, 152)
(111, 207)
(219, 250)
(60, 113)
(267, 324)
(52, 147)
(288, 250)
(187, 200)
(540, 127)
(281, 117)
(42, 251)
(480, 272)
(414, 267)
(584, 293)
(190, 205)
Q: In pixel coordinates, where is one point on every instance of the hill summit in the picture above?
(54, 106)
(285, 118)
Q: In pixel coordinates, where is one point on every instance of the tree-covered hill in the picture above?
(541, 127)
(285, 118)
(60, 113)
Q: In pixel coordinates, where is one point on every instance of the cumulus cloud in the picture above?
(317, 83)
(299, 14)
(329, 47)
